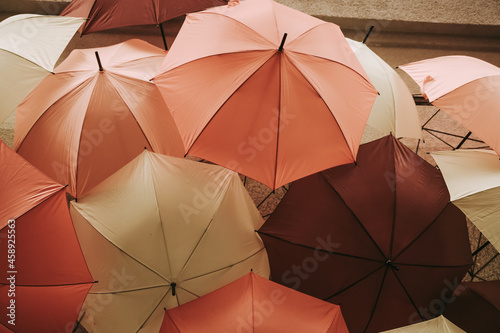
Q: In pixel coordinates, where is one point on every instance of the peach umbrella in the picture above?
(44, 276)
(466, 88)
(83, 123)
(161, 232)
(254, 304)
(267, 91)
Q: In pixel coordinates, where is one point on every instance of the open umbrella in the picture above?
(380, 238)
(476, 307)
(160, 232)
(95, 115)
(466, 88)
(473, 179)
(30, 46)
(44, 276)
(394, 111)
(267, 91)
(108, 14)
(436, 325)
(254, 304)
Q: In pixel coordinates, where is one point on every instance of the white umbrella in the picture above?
(394, 110)
(160, 232)
(436, 325)
(473, 179)
(30, 46)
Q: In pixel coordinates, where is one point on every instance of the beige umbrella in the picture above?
(394, 110)
(160, 232)
(473, 179)
(436, 325)
(30, 46)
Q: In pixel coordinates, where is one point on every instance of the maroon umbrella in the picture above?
(380, 238)
(475, 307)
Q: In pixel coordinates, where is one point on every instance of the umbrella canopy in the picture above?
(380, 237)
(473, 179)
(466, 88)
(476, 306)
(394, 110)
(30, 46)
(45, 278)
(108, 14)
(436, 325)
(254, 304)
(173, 230)
(266, 90)
(82, 124)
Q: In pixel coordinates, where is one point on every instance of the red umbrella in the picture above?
(44, 276)
(254, 304)
(380, 238)
(475, 306)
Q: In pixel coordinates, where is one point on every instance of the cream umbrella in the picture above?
(394, 110)
(30, 46)
(436, 325)
(473, 179)
(160, 232)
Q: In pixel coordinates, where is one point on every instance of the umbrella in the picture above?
(44, 275)
(476, 306)
(29, 48)
(266, 90)
(82, 124)
(380, 238)
(466, 88)
(436, 325)
(108, 14)
(473, 179)
(254, 304)
(394, 110)
(173, 230)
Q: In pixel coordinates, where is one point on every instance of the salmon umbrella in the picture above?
(254, 304)
(475, 306)
(94, 115)
(466, 88)
(380, 238)
(161, 232)
(108, 14)
(436, 325)
(394, 110)
(44, 276)
(473, 179)
(267, 91)
(30, 46)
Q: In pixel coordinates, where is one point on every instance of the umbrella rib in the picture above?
(354, 215)
(420, 235)
(50, 285)
(223, 268)
(321, 250)
(354, 283)
(408, 294)
(154, 309)
(130, 290)
(393, 227)
(435, 266)
(278, 126)
(376, 300)
(227, 99)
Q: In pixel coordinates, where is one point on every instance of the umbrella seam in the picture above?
(130, 290)
(408, 294)
(394, 212)
(280, 73)
(154, 309)
(41, 202)
(49, 285)
(377, 299)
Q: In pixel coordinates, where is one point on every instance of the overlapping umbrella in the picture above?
(160, 232)
(30, 46)
(267, 91)
(44, 276)
(380, 238)
(94, 115)
(436, 325)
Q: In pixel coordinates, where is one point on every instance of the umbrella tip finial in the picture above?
(173, 285)
(368, 34)
(251, 269)
(282, 42)
(98, 61)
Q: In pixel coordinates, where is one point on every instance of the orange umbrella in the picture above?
(82, 124)
(266, 90)
(44, 276)
(254, 304)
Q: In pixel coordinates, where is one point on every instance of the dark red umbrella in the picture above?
(475, 307)
(380, 238)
